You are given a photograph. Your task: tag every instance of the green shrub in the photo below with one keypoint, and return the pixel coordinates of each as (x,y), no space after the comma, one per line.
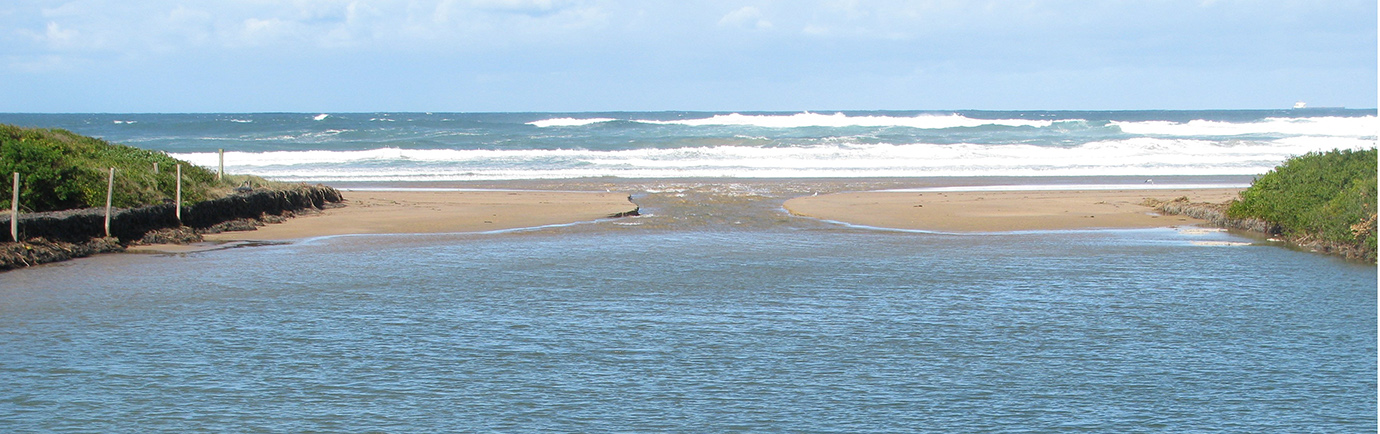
(59,170)
(1329,196)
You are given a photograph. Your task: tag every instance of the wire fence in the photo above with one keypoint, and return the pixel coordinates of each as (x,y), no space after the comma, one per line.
(109,194)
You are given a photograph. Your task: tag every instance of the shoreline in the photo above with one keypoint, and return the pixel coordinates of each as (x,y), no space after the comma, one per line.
(975,204)
(943,205)
(368,212)
(844,183)
(1003,210)
(58,236)
(997,204)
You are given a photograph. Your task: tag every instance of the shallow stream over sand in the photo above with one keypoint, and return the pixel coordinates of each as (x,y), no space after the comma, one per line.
(715,311)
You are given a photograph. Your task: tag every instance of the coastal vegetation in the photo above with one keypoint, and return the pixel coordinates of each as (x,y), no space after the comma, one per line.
(60,170)
(63,182)
(1327,197)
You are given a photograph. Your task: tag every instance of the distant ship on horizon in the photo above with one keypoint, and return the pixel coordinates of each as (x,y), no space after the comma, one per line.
(1300,105)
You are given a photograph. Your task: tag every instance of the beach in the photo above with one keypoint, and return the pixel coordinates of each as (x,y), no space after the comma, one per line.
(879,203)
(1001,211)
(391,212)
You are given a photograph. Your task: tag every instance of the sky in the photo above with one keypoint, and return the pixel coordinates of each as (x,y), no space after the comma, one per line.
(128,56)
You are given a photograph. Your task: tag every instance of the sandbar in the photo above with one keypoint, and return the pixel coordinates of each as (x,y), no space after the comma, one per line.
(1003,211)
(393,212)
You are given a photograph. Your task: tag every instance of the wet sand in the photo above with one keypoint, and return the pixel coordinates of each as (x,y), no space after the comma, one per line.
(533,204)
(383,212)
(1002,211)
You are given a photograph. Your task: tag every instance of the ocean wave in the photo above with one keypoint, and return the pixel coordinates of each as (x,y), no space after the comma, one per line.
(346,175)
(568,122)
(1136,156)
(380,155)
(837,120)
(305,137)
(1364,126)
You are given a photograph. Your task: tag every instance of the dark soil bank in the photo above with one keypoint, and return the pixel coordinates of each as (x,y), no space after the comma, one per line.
(61,235)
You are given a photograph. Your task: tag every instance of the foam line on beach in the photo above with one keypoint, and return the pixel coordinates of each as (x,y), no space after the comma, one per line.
(459,190)
(426,189)
(521,229)
(1182,231)
(990,233)
(1067,187)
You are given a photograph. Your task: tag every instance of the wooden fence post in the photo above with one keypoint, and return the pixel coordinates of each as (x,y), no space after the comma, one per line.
(109,190)
(179,194)
(221,173)
(155,168)
(14,210)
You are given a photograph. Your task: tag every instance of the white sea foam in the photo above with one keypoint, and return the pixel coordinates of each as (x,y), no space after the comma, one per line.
(1066,187)
(1365,126)
(344,175)
(1194,230)
(320,117)
(1220,243)
(808,119)
(1144,156)
(568,122)
(307,137)
(423,189)
(1360,127)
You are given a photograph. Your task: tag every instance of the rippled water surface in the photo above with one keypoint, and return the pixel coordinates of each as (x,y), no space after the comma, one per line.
(632,325)
(449,147)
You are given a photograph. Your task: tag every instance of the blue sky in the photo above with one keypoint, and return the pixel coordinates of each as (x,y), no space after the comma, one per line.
(593,55)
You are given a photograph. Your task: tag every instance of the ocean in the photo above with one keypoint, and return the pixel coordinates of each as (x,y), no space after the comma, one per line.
(394,147)
(715,310)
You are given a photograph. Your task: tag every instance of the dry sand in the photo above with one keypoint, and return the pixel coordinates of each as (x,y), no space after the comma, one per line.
(1001,211)
(381,212)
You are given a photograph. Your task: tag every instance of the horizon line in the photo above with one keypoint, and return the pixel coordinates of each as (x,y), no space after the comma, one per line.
(428,112)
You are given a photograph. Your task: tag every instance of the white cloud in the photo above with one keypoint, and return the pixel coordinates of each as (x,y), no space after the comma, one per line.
(137,27)
(746,16)
(258,31)
(677,41)
(58,36)
(54,36)
(514,5)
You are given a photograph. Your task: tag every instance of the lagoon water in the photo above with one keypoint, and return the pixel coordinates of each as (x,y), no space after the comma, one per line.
(663,323)
(714,311)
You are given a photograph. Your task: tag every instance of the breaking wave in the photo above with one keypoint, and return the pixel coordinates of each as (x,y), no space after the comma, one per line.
(1364,126)
(808,119)
(1136,156)
(568,122)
